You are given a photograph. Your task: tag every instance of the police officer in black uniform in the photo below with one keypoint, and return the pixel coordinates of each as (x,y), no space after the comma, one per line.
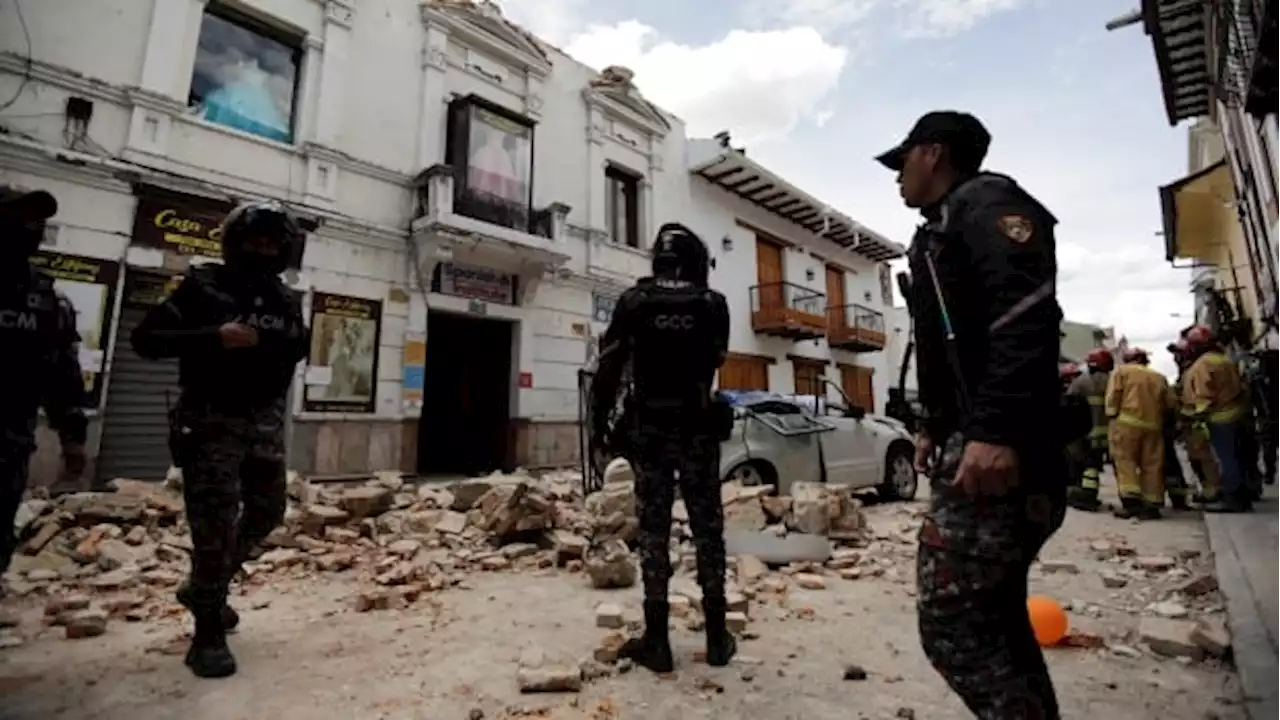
(238,333)
(674,332)
(987,346)
(39,358)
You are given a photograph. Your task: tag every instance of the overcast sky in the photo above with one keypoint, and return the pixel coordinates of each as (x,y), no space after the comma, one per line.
(815,88)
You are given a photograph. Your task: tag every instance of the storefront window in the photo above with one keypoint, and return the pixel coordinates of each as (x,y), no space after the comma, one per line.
(245,76)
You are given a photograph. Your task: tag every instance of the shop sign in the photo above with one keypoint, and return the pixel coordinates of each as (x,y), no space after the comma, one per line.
(476,283)
(342,369)
(90,285)
(187,225)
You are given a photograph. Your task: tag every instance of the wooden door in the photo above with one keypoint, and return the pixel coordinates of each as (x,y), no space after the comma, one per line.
(855,380)
(743,373)
(808,377)
(769,274)
(835,297)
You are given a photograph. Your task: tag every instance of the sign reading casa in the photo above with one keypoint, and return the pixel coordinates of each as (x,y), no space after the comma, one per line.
(187,224)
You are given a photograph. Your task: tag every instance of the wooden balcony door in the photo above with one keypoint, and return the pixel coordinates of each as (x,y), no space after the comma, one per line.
(835,297)
(743,372)
(769,274)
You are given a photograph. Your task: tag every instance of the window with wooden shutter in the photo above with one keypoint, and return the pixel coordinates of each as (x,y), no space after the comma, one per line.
(744,372)
(809,375)
(855,380)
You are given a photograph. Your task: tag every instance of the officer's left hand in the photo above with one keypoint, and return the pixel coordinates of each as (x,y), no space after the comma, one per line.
(987,469)
(73,462)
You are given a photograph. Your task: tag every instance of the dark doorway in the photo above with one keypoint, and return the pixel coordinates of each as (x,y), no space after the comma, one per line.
(466,405)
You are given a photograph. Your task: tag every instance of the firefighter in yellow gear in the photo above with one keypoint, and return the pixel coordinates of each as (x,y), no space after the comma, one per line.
(1195,437)
(1082,494)
(1215,401)
(1136,400)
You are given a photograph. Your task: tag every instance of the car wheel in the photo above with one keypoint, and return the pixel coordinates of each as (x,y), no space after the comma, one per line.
(747,474)
(900,481)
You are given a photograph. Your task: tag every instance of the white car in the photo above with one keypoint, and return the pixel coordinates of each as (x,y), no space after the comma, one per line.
(780,440)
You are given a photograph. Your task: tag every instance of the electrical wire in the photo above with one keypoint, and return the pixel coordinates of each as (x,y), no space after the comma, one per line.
(26,75)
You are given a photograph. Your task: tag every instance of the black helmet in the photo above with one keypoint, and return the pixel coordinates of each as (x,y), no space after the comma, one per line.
(679,254)
(22,221)
(267,219)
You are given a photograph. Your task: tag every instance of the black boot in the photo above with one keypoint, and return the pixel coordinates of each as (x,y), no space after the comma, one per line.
(1082,499)
(1149,511)
(1229,505)
(721,646)
(652,650)
(209,656)
(230,618)
(1129,508)
(1179,502)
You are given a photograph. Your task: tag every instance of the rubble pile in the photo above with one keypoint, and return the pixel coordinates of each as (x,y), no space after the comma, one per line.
(1173,599)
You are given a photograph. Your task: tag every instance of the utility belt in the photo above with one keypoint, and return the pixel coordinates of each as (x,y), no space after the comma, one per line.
(715,418)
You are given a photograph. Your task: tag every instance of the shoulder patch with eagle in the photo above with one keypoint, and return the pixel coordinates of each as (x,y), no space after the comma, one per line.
(1017,228)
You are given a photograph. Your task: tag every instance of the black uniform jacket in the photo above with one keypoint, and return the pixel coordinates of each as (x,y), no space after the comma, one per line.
(987,321)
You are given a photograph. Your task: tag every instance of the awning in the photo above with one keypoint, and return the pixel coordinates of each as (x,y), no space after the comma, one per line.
(1179,37)
(734,172)
(1197,211)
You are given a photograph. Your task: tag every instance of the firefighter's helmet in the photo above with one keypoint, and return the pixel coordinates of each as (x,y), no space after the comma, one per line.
(1100,360)
(1136,355)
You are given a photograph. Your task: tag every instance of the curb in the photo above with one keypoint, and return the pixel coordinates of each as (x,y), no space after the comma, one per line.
(1244,553)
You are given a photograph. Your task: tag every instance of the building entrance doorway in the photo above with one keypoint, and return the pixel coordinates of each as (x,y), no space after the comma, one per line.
(466,402)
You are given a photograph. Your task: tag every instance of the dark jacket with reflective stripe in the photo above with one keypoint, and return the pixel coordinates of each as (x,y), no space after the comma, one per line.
(993,248)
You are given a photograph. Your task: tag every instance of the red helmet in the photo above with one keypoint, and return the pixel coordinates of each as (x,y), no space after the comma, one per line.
(1135,355)
(1199,336)
(1069,371)
(1100,359)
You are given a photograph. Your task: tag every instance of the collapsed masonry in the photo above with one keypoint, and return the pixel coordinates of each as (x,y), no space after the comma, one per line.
(119,555)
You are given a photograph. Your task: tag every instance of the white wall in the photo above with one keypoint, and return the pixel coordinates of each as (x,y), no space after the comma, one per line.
(715,215)
(370,115)
(1250,146)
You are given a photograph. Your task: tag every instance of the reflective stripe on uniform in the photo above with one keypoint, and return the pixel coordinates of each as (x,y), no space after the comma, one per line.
(1131,421)
(1228,414)
(1090,479)
(1097,400)
(1098,431)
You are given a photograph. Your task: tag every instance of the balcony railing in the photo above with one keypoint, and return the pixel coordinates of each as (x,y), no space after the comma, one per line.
(442,193)
(854,327)
(788,310)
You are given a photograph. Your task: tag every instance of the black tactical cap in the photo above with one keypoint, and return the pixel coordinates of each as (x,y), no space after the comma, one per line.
(961,133)
(27,205)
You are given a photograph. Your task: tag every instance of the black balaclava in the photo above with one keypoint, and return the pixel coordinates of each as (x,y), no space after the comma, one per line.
(269,219)
(22,225)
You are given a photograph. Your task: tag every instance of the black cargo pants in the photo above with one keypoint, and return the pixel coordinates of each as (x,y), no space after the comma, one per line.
(228,462)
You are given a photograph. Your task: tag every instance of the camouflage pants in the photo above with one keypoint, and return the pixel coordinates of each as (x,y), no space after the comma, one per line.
(226,462)
(13,483)
(661,463)
(974,555)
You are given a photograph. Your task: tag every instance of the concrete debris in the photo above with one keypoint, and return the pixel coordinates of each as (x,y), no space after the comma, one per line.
(611,565)
(1155,563)
(609,616)
(1171,638)
(1213,637)
(85,624)
(1113,580)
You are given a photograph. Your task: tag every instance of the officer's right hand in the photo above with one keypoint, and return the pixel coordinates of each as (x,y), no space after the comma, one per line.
(237,335)
(924,453)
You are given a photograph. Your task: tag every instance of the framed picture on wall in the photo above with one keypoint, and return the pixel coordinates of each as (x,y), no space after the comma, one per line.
(342,368)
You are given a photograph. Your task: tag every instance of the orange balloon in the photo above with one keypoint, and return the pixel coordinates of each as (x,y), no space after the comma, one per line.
(1048,620)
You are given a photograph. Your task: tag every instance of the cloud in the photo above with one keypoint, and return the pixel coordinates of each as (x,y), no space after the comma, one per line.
(736,82)
(554,21)
(910,18)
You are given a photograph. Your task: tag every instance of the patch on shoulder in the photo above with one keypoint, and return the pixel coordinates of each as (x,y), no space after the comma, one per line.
(1017,228)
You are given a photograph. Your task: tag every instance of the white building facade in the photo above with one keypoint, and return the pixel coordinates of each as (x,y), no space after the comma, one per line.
(475,202)
(809,288)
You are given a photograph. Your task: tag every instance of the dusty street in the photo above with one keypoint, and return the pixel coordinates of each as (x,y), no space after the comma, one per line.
(424,623)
